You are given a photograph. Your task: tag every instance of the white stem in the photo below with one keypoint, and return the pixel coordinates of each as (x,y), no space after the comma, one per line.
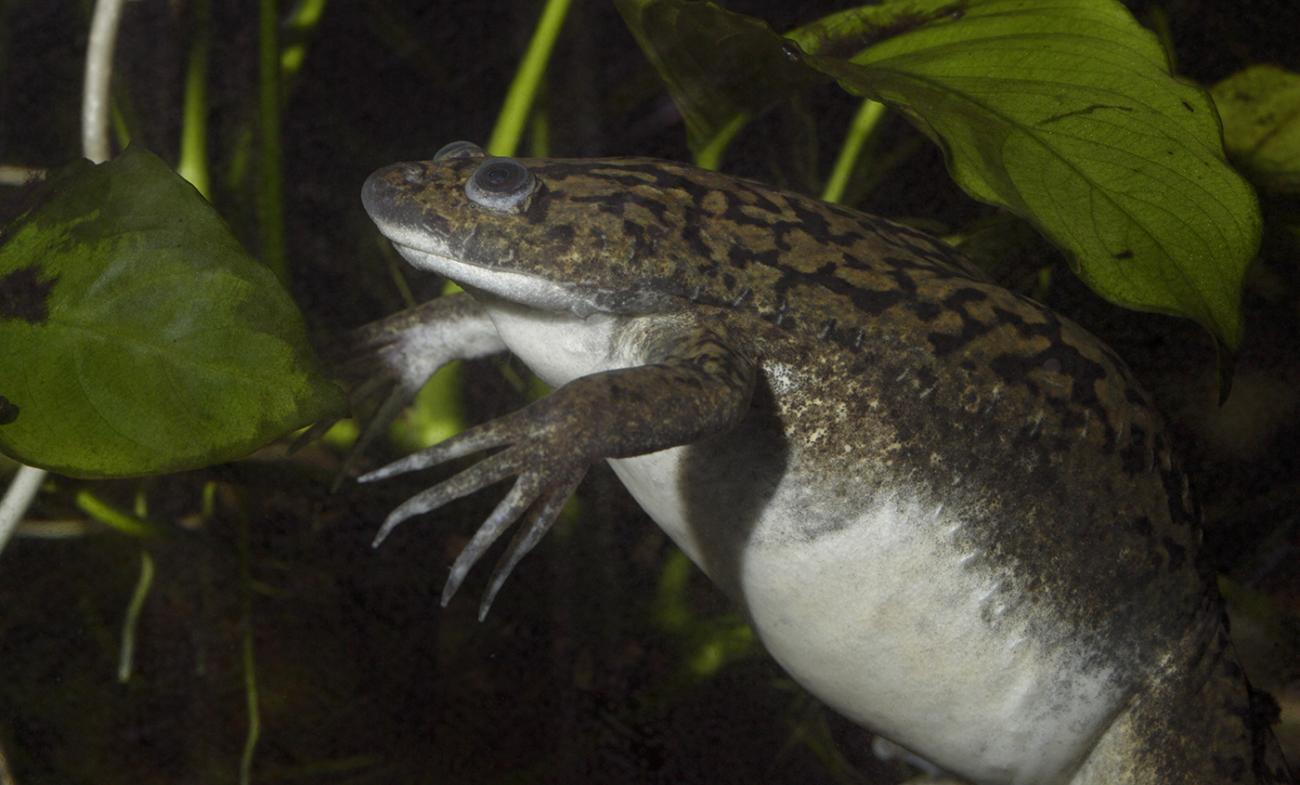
(19,175)
(17,499)
(95,100)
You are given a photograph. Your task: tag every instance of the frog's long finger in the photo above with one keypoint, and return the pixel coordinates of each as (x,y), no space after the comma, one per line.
(373,384)
(483,437)
(480,475)
(519,499)
(541,516)
(379,422)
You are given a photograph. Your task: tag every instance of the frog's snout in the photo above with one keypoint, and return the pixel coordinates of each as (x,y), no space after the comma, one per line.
(378,192)
(388,194)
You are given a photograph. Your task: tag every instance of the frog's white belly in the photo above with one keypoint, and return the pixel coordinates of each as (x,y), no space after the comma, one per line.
(883,620)
(867,602)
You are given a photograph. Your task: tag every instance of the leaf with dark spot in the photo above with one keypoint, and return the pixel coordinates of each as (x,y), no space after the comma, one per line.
(1089,109)
(138,335)
(8,411)
(25,296)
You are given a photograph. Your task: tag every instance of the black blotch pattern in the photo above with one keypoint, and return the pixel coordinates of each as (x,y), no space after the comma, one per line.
(636,231)
(8,411)
(1133,455)
(871,302)
(695,241)
(927,311)
(902,276)
(960,298)
(561,234)
(1177,553)
(25,296)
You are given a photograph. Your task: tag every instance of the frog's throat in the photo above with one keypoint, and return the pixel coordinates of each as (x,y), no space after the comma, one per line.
(516,287)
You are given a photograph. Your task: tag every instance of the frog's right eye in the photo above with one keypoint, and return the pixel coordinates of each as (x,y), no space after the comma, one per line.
(461,149)
(501,184)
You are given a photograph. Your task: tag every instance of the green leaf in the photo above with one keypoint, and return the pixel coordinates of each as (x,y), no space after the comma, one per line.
(1065,113)
(1260,107)
(136,336)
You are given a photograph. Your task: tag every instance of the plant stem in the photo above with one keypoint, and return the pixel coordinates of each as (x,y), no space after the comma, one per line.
(304,19)
(523,90)
(95,98)
(114,518)
(132,620)
(710,155)
(17,499)
(271,181)
(864,123)
(193,163)
(249,658)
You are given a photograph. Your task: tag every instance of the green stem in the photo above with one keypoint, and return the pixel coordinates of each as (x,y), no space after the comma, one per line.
(249,660)
(114,518)
(710,156)
(193,163)
(132,620)
(306,17)
(539,136)
(271,191)
(864,124)
(523,90)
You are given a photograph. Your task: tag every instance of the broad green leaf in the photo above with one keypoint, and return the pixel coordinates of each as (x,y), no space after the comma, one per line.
(136,336)
(1065,113)
(1260,107)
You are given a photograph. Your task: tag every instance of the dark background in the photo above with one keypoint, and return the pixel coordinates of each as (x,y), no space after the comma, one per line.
(578,675)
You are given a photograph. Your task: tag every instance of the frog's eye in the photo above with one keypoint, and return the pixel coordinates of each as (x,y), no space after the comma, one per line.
(501,184)
(461,149)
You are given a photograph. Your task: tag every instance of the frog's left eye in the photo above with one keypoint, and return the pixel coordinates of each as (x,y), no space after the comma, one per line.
(501,184)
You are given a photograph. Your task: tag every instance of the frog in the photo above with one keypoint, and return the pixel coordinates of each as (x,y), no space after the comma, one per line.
(949,513)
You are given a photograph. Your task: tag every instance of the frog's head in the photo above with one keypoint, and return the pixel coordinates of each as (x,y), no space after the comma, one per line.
(583,236)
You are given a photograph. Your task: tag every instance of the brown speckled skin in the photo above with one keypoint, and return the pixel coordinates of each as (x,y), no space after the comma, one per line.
(956,383)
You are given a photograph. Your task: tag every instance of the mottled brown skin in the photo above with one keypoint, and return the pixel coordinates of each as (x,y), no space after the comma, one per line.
(949,375)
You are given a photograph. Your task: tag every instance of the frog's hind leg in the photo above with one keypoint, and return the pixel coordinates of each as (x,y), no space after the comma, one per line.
(1196,723)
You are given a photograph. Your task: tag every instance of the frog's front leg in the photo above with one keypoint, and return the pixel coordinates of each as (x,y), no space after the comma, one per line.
(694,382)
(386,362)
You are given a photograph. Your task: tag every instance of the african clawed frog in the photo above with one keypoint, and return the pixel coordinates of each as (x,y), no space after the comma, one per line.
(948,512)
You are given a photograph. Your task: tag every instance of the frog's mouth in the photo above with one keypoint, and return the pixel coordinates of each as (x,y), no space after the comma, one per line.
(427,252)
(517,287)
